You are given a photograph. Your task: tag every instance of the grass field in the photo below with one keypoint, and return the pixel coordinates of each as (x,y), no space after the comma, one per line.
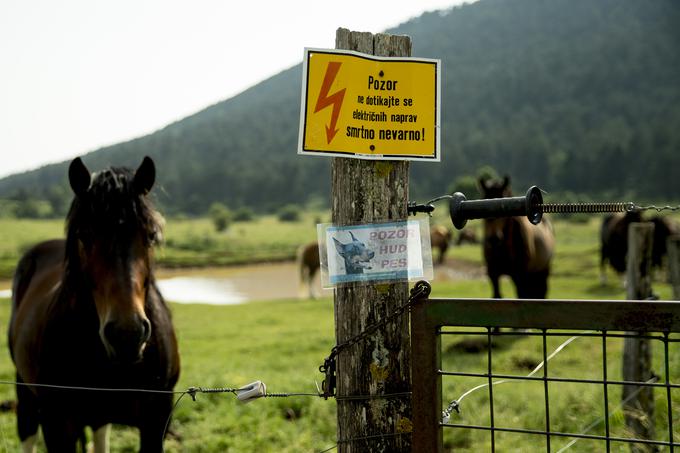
(283,343)
(188,242)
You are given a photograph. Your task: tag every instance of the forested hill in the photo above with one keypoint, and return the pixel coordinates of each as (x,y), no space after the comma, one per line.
(571,95)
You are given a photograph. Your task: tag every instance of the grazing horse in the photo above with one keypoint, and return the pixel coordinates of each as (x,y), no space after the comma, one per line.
(440,237)
(514,247)
(87,315)
(308,264)
(614,240)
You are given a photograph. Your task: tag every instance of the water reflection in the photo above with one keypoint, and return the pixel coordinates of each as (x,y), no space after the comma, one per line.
(191,290)
(203,290)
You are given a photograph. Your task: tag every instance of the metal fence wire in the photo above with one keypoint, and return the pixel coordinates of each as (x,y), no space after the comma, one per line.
(532,399)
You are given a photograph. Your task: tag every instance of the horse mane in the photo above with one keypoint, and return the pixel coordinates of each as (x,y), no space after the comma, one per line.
(111,210)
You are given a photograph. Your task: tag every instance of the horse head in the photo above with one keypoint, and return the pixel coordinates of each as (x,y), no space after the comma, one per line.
(111,231)
(494,229)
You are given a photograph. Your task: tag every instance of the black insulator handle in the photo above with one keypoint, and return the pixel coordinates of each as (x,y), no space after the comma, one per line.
(414,208)
(462,209)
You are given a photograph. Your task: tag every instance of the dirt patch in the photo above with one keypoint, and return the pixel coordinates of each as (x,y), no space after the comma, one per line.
(455,270)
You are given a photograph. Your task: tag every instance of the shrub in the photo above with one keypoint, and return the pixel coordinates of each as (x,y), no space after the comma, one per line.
(220,215)
(244,214)
(289,213)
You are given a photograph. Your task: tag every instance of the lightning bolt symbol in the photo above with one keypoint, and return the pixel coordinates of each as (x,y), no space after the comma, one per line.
(334,99)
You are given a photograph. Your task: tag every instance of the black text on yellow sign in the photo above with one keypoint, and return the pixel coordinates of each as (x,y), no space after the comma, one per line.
(363,106)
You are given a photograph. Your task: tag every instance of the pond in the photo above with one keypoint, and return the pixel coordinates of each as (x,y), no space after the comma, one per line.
(242,284)
(232,285)
(224,286)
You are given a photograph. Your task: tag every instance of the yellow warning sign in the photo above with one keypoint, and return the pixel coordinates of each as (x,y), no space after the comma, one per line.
(363,106)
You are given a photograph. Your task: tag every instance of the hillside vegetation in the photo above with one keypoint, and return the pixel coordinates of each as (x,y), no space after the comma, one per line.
(575,96)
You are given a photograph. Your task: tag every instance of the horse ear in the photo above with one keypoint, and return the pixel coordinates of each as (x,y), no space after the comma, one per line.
(78,176)
(506,182)
(145,176)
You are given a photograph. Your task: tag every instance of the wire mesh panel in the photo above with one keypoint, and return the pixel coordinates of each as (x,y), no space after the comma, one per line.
(513,375)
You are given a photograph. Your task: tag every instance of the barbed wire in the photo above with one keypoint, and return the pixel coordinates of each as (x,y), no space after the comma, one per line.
(244,394)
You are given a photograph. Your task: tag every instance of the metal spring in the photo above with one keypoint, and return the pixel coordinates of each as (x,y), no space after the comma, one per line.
(570,208)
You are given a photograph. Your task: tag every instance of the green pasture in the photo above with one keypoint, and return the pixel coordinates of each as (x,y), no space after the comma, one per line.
(187,242)
(283,342)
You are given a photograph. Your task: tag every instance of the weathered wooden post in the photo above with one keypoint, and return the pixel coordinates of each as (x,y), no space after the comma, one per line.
(638,401)
(673,247)
(365,191)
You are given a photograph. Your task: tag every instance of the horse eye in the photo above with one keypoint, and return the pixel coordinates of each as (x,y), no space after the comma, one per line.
(153,237)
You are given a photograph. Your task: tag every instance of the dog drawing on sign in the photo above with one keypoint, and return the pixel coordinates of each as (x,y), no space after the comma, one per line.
(355,254)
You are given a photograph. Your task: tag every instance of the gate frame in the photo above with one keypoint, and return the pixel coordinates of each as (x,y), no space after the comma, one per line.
(428,316)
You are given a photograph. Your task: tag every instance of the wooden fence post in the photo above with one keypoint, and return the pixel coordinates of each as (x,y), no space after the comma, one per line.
(365,191)
(673,247)
(638,402)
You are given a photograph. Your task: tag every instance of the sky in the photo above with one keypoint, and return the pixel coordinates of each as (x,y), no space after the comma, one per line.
(76,75)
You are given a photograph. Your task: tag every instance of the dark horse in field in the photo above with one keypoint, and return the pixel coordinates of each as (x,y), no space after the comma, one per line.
(86,312)
(614,240)
(514,247)
(440,238)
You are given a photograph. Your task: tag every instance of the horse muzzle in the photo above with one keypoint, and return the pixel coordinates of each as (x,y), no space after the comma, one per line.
(125,340)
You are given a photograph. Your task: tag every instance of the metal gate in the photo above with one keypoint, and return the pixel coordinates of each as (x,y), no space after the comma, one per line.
(488,320)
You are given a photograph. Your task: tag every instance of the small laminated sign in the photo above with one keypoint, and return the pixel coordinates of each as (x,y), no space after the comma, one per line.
(394,251)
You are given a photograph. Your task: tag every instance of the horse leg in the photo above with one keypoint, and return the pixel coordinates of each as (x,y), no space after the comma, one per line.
(495,284)
(156,417)
(442,252)
(532,286)
(603,266)
(542,284)
(302,280)
(312,289)
(60,432)
(151,437)
(27,417)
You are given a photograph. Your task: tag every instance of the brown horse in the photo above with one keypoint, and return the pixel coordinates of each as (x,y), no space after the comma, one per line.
(440,238)
(514,247)
(87,315)
(308,265)
(614,240)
